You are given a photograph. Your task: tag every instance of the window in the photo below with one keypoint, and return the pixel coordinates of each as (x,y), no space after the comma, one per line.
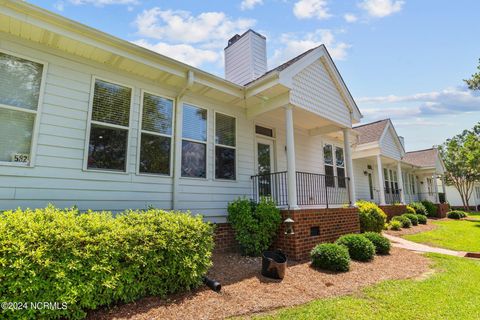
(387,180)
(395,182)
(328,160)
(225,152)
(108,141)
(340,164)
(264,131)
(412,183)
(370,185)
(156,135)
(194,142)
(20,87)
(392,182)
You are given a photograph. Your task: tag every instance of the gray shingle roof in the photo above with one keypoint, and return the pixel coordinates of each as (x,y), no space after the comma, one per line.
(422,158)
(371,132)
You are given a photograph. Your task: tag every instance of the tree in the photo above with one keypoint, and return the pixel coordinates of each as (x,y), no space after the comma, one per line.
(474,82)
(461,155)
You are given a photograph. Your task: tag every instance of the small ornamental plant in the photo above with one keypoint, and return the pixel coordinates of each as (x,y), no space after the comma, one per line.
(456,214)
(330,256)
(372,218)
(421,219)
(430,207)
(413,218)
(410,210)
(406,223)
(382,244)
(359,247)
(419,208)
(395,225)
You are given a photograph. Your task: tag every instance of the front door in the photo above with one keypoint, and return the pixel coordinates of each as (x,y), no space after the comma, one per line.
(265,166)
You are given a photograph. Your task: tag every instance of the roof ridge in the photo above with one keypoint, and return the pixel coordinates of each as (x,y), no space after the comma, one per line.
(367,124)
(432,148)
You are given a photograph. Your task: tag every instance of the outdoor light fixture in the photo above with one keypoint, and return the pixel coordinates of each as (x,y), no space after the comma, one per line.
(365,172)
(289,225)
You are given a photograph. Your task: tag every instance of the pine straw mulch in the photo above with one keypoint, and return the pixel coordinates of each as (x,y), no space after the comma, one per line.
(415,229)
(245,292)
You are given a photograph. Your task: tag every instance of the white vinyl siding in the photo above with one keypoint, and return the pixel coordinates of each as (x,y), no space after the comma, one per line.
(389,147)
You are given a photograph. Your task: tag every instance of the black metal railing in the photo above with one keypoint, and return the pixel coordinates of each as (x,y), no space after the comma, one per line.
(392,196)
(430,196)
(312,189)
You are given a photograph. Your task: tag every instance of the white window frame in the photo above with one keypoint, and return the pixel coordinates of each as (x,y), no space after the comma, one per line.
(335,169)
(38,112)
(108,125)
(140,131)
(207,142)
(333,165)
(215,144)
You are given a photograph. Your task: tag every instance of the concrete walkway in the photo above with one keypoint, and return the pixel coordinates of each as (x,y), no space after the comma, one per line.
(413,246)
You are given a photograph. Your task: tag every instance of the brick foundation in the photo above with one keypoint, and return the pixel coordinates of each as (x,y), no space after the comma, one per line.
(331,224)
(442,209)
(394,210)
(225,238)
(462,208)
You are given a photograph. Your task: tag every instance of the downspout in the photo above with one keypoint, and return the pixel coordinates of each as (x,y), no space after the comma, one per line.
(177,149)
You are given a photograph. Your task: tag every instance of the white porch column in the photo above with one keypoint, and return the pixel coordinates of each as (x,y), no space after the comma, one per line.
(435,188)
(400,182)
(444,188)
(291,168)
(380,179)
(349,163)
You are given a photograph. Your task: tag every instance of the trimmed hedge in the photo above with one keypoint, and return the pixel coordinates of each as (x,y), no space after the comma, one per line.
(406,223)
(395,225)
(430,207)
(456,214)
(413,218)
(419,208)
(330,256)
(372,218)
(421,219)
(255,225)
(359,247)
(382,244)
(95,259)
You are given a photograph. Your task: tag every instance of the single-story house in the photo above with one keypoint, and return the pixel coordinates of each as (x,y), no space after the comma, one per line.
(90,120)
(386,174)
(455,200)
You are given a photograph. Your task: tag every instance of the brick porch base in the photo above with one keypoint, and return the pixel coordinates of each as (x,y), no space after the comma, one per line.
(442,209)
(393,210)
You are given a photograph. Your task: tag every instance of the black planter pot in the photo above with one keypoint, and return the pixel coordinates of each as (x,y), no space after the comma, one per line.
(274,264)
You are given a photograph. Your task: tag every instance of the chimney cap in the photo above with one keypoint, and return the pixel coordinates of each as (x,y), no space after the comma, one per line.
(237,37)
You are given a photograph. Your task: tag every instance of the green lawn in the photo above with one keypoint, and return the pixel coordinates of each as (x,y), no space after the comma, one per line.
(460,235)
(450,293)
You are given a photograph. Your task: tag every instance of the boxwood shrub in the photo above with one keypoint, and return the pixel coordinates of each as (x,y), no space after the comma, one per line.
(413,218)
(419,208)
(395,225)
(430,207)
(95,259)
(359,247)
(456,214)
(421,219)
(255,225)
(406,223)
(410,210)
(382,244)
(330,256)
(372,218)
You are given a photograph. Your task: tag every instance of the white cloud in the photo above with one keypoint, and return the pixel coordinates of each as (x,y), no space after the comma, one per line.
(182,52)
(350,17)
(305,9)
(250,4)
(59,5)
(381,8)
(293,46)
(101,3)
(183,27)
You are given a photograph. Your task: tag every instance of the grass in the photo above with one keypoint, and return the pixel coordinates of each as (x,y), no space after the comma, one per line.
(462,235)
(450,293)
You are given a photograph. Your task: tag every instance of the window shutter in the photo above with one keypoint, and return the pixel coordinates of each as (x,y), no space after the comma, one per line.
(224,130)
(111,103)
(20,82)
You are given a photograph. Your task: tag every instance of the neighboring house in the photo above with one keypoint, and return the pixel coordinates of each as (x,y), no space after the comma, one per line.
(90,120)
(386,174)
(455,200)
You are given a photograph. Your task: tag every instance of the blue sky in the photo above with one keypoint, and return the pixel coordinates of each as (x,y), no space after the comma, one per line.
(403,59)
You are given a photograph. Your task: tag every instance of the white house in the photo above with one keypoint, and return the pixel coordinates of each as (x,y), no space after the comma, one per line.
(386,174)
(91,120)
(455,200)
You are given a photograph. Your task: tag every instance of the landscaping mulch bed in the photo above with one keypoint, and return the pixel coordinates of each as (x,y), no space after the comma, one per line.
(246,292)
(415,229)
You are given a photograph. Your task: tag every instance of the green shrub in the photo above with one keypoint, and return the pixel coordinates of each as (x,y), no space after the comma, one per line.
(359,247)
(419,208)
(372,218)
(330,256)
(456,214)
(382,244)
(421,219)
(430,207)
(406,223)
(410,210)
(395,225)
(95,259)
(255,225)
(413,218)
